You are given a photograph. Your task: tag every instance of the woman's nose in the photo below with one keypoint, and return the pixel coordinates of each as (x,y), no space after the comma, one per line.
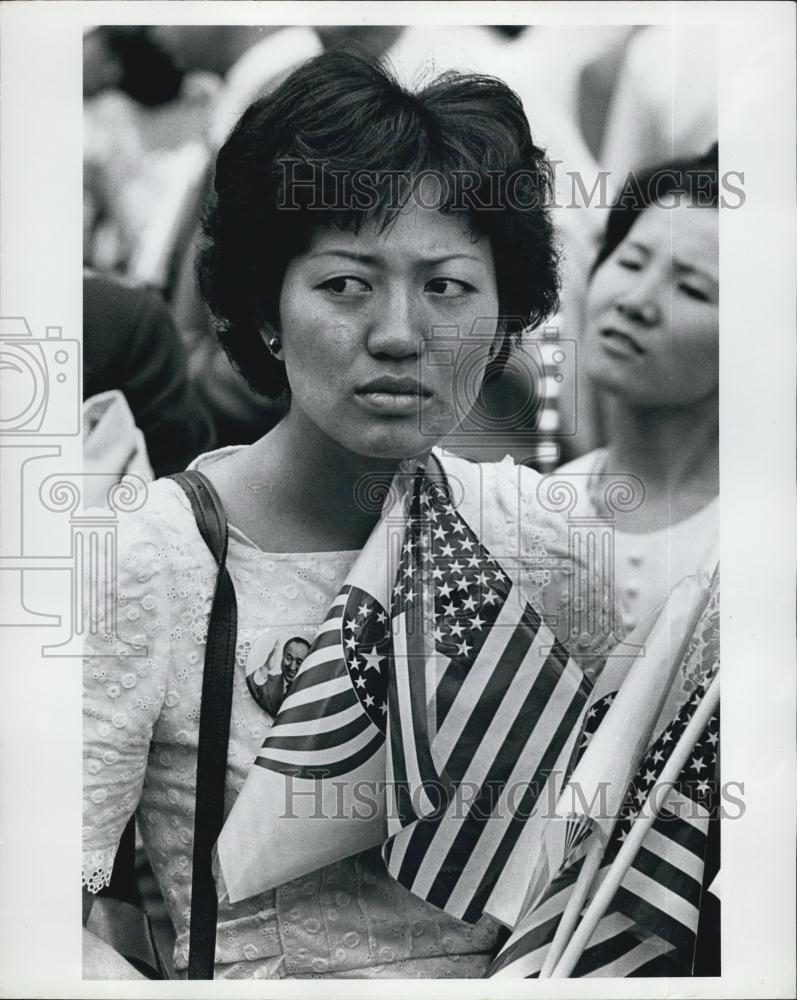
(398,329)
(641,303)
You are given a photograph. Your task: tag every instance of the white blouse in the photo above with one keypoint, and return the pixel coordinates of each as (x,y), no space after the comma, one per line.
(648,565)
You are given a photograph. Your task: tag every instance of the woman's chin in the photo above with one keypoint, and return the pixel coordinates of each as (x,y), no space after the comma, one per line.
(394,443)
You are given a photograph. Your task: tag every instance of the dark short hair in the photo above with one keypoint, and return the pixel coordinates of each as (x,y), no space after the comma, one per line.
(296,638)
(349,114)
(696,180)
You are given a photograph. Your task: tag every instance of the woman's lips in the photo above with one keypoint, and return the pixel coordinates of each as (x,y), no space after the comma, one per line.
(398,403)
(392,395)
(619,342)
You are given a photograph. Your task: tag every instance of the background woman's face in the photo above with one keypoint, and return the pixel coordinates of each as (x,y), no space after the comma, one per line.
(357,315)
(653,311)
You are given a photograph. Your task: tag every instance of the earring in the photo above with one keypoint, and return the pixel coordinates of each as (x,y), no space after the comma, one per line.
(274,345)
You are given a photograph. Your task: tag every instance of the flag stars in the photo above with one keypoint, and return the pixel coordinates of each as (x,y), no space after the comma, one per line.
(490,597)
(698,764)
(372,659)
(463,648)
(352,625)
(477,623)
(360,682)
(447,552)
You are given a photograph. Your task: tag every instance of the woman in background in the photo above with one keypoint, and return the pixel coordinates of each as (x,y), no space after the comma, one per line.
(652,347)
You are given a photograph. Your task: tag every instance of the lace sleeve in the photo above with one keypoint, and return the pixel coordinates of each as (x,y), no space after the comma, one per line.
(124,670)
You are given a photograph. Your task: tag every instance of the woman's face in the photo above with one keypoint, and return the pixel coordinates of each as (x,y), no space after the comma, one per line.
(358,314)
(653,311)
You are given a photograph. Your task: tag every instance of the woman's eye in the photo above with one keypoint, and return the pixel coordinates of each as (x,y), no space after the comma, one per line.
(694,293)
(629,264)
(346,284)
(448,287)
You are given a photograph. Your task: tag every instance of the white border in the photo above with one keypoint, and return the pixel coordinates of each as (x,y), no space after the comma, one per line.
(40,241)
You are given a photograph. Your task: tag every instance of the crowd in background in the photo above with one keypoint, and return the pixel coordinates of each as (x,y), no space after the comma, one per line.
(159,102)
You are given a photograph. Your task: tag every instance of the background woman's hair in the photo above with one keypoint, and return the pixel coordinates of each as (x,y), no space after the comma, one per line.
(695,181)
(350,115)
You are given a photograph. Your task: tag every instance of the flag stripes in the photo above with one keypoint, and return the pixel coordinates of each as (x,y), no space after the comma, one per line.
(519,727)
(322,730)
(659,896)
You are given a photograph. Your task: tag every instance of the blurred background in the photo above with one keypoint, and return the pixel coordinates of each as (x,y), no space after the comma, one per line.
(159,101)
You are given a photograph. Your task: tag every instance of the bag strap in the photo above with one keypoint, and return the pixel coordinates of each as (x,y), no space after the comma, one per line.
(214,724)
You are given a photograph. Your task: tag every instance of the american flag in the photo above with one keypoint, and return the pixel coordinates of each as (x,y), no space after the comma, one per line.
(460,687)
(335,716)
(296,810)
(650,928)
(484,705)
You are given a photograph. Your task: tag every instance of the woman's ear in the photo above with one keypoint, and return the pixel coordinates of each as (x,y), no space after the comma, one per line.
(271,339)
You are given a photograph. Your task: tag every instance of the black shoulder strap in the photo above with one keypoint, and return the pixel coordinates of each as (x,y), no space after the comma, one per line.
(214,724)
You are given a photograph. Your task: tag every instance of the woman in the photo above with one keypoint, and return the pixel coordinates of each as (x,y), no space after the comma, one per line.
(652,347)
(330,290)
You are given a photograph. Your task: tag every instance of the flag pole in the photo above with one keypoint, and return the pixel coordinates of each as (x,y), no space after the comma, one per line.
(575,904)
(647,816)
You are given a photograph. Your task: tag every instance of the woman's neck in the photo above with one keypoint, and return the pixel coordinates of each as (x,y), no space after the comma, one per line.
(319,493)
(674,452)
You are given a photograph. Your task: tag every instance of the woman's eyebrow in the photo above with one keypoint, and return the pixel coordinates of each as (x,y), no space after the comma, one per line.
(361,258)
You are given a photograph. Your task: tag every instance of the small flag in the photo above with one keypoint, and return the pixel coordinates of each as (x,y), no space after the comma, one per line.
(446,695)
(483,712)
(652,921)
